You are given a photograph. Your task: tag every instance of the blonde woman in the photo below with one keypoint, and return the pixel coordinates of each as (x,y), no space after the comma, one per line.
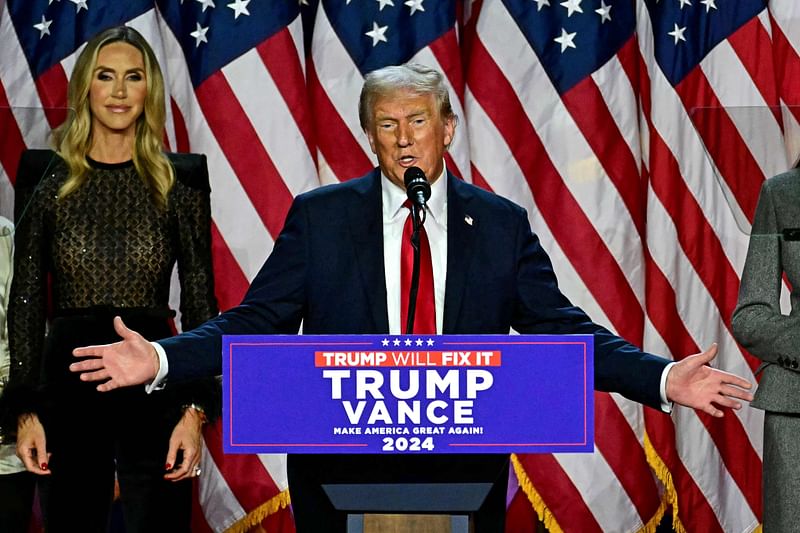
(106,223)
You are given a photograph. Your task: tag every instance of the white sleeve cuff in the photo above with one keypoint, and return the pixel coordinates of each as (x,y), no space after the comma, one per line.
(666,405)
(160,381)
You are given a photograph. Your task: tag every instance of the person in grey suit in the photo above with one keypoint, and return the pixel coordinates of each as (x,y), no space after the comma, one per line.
(761,327)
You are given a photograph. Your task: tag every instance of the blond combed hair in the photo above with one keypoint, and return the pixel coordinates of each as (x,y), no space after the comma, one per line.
(73,138)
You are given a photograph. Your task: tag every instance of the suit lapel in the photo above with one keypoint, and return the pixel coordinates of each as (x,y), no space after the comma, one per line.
(462,227)
(366,230)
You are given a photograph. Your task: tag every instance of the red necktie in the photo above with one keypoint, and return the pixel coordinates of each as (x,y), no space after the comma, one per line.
(425,315)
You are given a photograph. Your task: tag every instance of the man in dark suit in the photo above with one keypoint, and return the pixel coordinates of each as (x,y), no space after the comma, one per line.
(335,269)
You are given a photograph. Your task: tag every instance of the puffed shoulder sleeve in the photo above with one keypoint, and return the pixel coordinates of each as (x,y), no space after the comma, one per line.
(36,189)
(190,206)
(192,211)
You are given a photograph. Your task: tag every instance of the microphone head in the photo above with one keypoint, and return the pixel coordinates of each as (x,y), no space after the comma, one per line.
(417,187)
(413,174)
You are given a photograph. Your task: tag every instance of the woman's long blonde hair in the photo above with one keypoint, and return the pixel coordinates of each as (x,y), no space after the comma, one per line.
(73,138)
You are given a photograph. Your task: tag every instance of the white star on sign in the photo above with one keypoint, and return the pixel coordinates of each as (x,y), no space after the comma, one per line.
(430,342)
(43,27)
(419,342)
(377,33)
(566,40)
(415,5)
(207,4)
(572,6)
(541,3)
(80,4)
(710,4)
(385,342)
(397,342)
(239,8)
(199,35)
(384,3)
(604,12)
(408,342)
(677,33)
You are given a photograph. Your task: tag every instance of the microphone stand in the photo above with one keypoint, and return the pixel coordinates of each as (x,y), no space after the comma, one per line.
(418,219)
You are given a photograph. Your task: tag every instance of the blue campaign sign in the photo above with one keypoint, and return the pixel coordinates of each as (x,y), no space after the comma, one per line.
(408,394)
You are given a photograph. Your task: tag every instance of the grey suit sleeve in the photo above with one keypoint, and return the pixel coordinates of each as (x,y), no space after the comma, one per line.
(757,322)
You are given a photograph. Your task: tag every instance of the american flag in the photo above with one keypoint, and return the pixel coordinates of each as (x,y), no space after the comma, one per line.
(635,132)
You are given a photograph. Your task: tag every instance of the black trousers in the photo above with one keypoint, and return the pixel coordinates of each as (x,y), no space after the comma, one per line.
(16,501)
(314,513)
(92,435)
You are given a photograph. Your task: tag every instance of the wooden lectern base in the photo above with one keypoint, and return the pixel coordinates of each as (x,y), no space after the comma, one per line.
(406,523)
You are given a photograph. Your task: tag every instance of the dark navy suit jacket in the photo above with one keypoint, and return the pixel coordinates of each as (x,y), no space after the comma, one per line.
(326,270)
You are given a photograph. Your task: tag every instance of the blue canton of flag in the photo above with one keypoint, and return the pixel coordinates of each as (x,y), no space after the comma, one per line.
(685,33)
(50,31)
(377,33)
(572,39)
(212,38)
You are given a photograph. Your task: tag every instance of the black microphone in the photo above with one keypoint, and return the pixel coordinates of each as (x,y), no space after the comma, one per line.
(418,189)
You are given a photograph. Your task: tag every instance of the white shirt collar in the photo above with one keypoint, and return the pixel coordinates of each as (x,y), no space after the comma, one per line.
(393,197)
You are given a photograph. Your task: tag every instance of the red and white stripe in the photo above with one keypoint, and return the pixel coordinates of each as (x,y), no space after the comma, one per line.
(573,162)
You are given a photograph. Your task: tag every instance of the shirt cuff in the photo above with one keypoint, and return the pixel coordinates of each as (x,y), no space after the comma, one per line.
(160,381)
(666,404)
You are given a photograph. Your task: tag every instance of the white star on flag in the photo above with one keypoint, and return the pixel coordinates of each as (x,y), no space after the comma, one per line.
(541,3)
(685,3)
(572,6)
(677,33)
(239,8)
(415,5)
(199,35)
(80,4)
(384,3)
(43,27)
(207,4)
(710,4)
(605,12)
(377,33)
(566,40)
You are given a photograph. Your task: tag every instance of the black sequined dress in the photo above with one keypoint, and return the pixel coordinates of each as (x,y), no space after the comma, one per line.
(105,249)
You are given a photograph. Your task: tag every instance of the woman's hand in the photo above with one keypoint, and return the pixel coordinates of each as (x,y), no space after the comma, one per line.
(187,437)
(32,445)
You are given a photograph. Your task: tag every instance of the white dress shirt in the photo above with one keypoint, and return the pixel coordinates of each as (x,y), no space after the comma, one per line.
(394,218)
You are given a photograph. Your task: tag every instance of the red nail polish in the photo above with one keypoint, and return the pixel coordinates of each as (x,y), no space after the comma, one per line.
(44,466)
(167,466)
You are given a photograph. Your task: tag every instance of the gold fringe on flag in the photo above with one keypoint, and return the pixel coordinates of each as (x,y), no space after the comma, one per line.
(257,515)
(652,524)
(663,473)
(549,520)
(536,500)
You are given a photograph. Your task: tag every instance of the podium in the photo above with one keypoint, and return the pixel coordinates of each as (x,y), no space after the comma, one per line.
(405,433)
(370,506)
